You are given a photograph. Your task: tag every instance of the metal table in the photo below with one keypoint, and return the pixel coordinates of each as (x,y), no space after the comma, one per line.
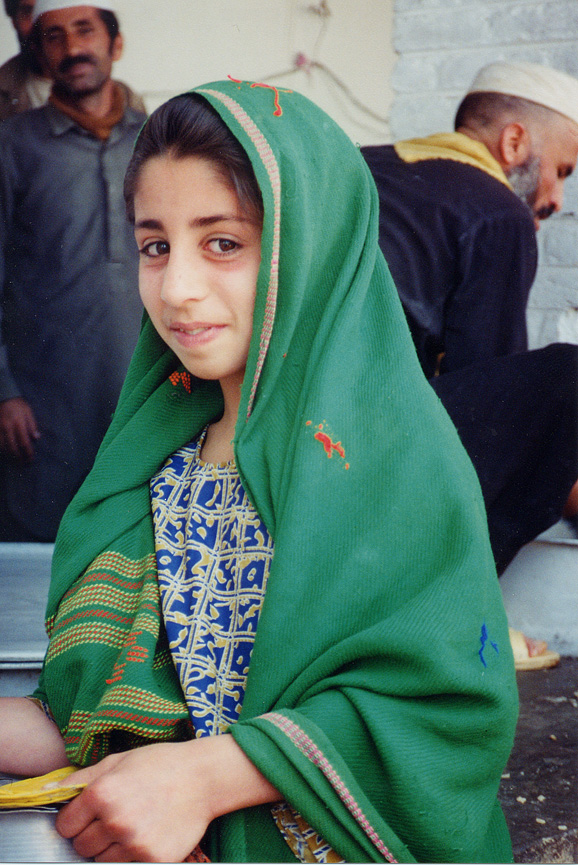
(29,835)
(24,579)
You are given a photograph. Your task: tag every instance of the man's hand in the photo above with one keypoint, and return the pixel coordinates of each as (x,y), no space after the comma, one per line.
(154,804)
(18,429)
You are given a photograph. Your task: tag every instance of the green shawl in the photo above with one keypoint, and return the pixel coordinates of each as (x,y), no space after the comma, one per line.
(381,698)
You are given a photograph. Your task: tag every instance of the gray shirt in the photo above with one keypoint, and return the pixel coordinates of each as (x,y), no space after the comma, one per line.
(69,297)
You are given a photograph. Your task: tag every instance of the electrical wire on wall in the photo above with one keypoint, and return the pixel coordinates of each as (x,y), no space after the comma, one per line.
(304,64)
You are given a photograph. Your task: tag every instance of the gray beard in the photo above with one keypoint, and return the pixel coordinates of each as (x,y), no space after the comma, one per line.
(525,179)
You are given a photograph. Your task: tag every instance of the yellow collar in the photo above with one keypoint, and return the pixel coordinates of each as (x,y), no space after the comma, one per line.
(452,145)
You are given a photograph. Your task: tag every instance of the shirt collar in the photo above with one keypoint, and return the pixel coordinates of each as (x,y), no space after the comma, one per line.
(61,123)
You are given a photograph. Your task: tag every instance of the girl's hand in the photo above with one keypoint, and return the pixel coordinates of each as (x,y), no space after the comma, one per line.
(146,805)
(154,804)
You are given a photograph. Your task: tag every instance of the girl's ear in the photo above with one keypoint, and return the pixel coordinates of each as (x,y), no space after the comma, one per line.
(514,145)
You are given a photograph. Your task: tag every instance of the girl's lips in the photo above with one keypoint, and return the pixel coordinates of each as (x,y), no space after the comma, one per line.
(196,333)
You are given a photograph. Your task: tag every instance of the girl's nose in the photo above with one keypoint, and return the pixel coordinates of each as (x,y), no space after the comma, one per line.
(182,281)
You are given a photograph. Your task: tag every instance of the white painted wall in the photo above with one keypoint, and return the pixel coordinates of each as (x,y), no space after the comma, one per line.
(177,44)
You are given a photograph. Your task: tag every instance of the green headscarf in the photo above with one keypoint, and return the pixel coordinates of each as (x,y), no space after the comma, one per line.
(381,698)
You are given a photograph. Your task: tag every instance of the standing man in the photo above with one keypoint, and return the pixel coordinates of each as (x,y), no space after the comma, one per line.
(458,218)
(68,268)
(24,84)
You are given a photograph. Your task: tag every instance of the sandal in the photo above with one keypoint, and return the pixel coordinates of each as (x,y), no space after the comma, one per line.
(531,654)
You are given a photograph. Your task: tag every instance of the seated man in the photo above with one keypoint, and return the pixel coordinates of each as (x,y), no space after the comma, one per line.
(459,214)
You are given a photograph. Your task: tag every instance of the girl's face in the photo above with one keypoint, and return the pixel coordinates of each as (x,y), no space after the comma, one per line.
(199,261)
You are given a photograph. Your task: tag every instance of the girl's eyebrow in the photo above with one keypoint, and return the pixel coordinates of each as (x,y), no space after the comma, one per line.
(152,224)
(203,221)
(199,222)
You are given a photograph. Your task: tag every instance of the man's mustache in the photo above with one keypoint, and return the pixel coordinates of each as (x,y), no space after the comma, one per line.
(69,62)
(545,212)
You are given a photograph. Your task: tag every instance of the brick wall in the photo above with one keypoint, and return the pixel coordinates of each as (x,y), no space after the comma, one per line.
(440,45)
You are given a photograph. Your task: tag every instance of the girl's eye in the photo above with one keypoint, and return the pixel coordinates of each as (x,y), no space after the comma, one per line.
(155,249)
(222,245)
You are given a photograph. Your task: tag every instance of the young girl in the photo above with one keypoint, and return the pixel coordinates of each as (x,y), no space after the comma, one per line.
(325,674)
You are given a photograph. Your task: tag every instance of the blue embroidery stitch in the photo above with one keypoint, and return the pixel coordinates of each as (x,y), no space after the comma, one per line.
(483,641)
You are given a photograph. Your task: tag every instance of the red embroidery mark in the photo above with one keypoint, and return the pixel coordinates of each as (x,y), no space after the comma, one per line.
(278,110)
(117,672)
(176,376)
(329,446)
(134,653)
(138,655)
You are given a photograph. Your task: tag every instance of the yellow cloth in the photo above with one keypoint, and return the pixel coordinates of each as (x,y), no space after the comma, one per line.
(39,791)
(452,145)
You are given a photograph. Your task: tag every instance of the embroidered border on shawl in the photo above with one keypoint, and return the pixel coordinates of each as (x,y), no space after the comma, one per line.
(267,157)
(132,710)
(310,750)
(114,588)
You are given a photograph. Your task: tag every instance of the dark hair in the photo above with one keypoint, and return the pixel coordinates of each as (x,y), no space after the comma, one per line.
(110,21)
(484,108)
(107,17)
(188,126)
(11,7)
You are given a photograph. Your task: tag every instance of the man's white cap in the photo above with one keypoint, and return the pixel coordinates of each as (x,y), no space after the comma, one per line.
(540,84)
(42,6)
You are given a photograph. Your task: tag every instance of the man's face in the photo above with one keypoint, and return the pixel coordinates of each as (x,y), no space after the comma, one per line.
(539,181)
(22,20)
(77,49)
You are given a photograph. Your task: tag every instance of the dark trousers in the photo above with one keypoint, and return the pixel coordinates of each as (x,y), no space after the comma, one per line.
(517,417)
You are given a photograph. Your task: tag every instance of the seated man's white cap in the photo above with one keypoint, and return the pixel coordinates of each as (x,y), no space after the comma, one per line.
(541,84)
(42,6)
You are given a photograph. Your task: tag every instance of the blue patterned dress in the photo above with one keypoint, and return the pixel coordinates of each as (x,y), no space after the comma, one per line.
(213,556)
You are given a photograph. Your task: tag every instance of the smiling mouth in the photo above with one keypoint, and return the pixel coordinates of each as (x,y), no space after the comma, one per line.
(196,334)
(194,331)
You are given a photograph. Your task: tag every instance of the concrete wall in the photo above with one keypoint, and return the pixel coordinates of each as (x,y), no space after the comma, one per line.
(441,44)
(177,44)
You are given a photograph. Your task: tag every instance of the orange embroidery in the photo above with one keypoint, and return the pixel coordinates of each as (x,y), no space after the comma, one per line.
(278,110)
(176,376)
